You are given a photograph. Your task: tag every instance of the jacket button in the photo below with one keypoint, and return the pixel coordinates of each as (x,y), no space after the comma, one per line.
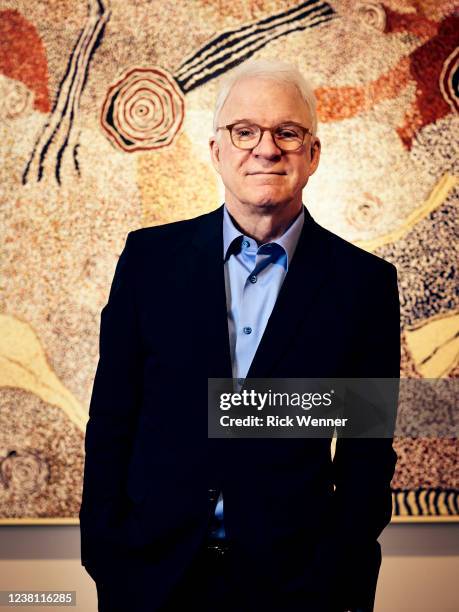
(213,495)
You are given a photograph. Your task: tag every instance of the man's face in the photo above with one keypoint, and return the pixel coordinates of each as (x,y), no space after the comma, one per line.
(264,177)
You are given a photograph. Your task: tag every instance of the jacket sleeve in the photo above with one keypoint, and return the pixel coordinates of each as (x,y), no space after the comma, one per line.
(363,467)
(113,412)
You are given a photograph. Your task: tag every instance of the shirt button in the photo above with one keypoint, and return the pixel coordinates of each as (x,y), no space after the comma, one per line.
(253,278)
(245,243)
(247,330)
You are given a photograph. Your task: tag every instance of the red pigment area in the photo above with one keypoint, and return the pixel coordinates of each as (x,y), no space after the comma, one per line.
(338,103)
(423,66)
(426,64)
(23,56)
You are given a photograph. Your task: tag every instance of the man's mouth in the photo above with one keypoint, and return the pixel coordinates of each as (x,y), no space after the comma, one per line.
(267,173)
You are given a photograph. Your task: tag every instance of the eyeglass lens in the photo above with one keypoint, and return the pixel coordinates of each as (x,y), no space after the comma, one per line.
(247,136)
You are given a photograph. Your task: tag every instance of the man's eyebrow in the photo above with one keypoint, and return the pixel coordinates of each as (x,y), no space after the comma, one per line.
(283,122)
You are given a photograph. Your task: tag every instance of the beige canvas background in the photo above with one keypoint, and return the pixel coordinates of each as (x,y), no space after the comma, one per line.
(85,159)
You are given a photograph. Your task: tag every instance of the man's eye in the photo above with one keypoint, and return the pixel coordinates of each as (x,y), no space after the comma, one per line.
(244,132)
(287,133)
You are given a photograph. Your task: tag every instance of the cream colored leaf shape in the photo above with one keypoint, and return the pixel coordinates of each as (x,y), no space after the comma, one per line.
(434,345)
(436,198)
(23,365)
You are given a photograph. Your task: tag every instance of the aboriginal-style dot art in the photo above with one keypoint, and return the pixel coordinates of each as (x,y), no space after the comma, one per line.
(106,108)
(226,50)
(143,110)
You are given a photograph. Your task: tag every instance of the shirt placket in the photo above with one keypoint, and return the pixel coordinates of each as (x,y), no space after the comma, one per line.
(248,334)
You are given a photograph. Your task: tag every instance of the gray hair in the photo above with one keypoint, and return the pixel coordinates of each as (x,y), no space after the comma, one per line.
(276,70)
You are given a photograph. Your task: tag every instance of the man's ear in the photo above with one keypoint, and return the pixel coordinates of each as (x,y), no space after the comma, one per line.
(214,153)
(315,155)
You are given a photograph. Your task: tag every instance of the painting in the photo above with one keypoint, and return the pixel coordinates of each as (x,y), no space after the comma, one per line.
(105,114)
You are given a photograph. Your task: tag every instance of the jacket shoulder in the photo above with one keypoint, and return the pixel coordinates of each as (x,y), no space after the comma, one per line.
(347,254)
(173,234)
(150,234)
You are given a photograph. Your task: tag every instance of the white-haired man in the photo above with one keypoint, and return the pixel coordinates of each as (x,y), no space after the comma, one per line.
(172,519)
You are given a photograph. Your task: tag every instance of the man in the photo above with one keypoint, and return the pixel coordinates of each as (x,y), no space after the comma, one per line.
(253,289)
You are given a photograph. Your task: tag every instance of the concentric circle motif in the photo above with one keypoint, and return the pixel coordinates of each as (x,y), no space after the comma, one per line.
(449,80)
(24,472)
(364,213)
(15,99)
(144,110)
(373,15)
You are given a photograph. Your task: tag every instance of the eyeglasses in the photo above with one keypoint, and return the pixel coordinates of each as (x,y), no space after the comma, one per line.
(287,136)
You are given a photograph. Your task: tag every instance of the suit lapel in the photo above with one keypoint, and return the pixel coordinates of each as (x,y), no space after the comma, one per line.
(209,316)
(308,272)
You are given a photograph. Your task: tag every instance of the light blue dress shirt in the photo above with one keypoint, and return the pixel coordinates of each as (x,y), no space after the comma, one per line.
(253,278)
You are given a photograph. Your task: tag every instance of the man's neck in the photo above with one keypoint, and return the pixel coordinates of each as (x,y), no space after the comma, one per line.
(262,225)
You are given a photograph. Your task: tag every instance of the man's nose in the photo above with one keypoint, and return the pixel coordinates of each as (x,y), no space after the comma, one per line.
(267,147)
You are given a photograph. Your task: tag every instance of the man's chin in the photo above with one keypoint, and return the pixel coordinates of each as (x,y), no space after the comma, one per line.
(264,199)
(269,201)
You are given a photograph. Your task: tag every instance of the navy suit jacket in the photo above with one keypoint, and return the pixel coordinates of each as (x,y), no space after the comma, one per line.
(303,528)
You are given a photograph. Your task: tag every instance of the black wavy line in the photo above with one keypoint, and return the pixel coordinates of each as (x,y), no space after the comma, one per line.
(254,35)
(239,60)
(75,104)
(225,35)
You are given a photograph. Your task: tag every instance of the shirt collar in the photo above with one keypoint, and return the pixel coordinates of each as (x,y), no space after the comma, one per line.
(232,237)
